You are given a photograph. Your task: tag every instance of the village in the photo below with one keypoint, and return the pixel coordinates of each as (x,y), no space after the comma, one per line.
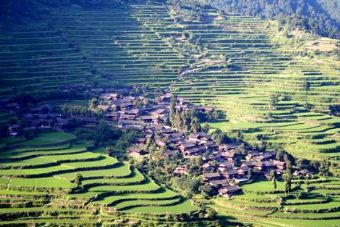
(225,166)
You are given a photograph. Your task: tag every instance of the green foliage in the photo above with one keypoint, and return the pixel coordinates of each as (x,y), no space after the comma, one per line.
(220,137)
(207,190)
(108,135)
(78,180)
(189,186)
(309,15)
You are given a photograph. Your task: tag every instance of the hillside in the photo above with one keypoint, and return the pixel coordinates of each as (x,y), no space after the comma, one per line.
(268,85)
(318,16)
(38,186)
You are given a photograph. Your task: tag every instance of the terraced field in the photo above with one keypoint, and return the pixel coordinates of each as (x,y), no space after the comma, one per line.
(37,185)
(152,43)
(258,67)
(268,207)
(148,42)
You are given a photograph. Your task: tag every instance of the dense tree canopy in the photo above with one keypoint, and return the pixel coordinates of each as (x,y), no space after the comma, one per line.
(319,16)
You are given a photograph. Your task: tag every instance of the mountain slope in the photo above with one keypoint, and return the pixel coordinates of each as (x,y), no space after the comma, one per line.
(319,16)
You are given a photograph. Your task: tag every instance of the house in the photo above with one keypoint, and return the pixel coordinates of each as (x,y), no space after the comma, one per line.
(87,120)
(211,145)
(208,156)
(266,156)
(62,123)
(248,164)
(169,153)
(112,116)
(280,165)
(146,119)
(186,146)
(219,159)
(41,109)
(194,151)
(126,105)
(173,139)
(13,130)
(207,167)
(136,151)
(243,170)
(302,173)
(130,124)
(199,138)
(241,180)
(127,117)
(181,170)
(226,165)
(134,112)
(218,183)
(229,155)
(141,140)
(229,190)
(158,113)
(230,173)
(160,143)
(167,131)
(227,147)
(212,176)
(109,96)
(258,166)
(166,98)
(252,155)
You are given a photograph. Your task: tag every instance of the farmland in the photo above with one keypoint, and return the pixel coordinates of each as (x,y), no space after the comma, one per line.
(137,45)
(272,207)
(37,179)
(277,87)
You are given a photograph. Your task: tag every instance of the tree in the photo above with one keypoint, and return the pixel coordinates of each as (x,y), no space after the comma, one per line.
(28,133)
(274,99)
(250,174)
(239,136)
(273,175)
(184,125)
(288,183)
(288,175)
(177,119)
(93,103)
(108,150)
(195,125)
(172,114)
(207,190)
(242,149)
(78,180)
(306,88)
(324,167)
(206,128)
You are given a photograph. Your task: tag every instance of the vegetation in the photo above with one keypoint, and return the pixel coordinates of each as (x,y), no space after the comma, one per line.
(51,184)
(275,86)
(317,16)
(263,203)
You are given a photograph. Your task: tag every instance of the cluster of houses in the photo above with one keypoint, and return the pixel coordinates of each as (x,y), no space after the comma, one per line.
(224,167)
(139,112)
(36,117)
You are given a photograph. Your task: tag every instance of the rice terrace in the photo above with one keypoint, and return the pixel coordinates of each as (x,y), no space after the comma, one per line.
(186,113)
